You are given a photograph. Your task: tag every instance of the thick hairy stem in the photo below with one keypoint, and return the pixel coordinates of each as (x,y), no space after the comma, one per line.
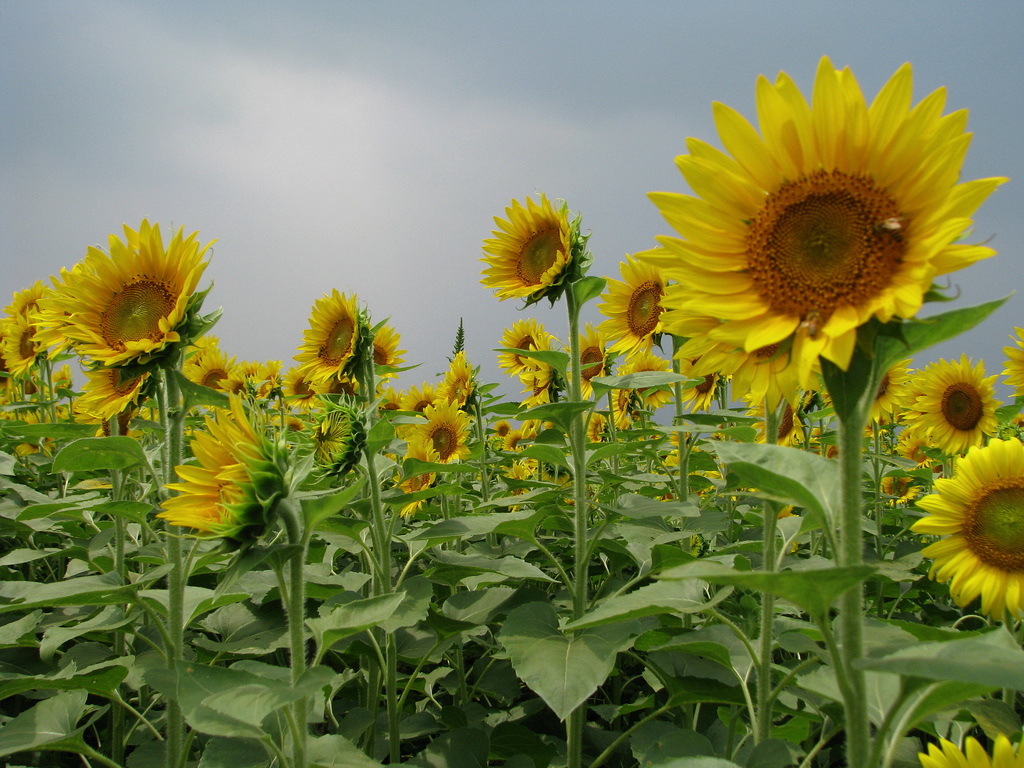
(295,607)
(762,728)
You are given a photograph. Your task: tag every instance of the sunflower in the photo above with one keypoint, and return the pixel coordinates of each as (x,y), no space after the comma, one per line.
(419,398)
(791,431)
(1014,370)
(389,399)
(234,488)
(254,379)
(500,430)
(110,391)
(424,451)
(458,385)
(130,305)
(20,347)
(891,392)
(298,391)
(339,437)
(208,366)
(912,444)
(645,360)
(596,427)
(901,489)
(332,337)
(948,755)
(625,407)
(953,403)
(593,358)
(980,512)
(540,384)
(526,335)
(446,429)
(530,250)
(633,306)
(835,214)
(701,396)
(514,437)
(386,352)
(27,300)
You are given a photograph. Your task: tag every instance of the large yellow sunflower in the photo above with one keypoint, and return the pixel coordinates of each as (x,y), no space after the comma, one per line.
(980,512)
(953,403)
(1014,370)
(130,304)
(446,429)
(529,251)
(330,341)
(948,755)
(526,335)
(633,306)
(232,490)
(834,214)
(458,384)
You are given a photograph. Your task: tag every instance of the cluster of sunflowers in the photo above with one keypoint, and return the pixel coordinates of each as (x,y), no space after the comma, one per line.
(801,245)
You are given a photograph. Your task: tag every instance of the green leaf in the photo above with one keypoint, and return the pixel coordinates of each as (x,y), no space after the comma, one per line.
(132,511)
(416,595)
(992,659)
(814,590)
(64,431)
(82,590)
(315,509)
(459,748)
(479,525)
(234,753)
(658,742)
(588,288)
(198,395)
(995,717)
(563,670)
(352,618)
(548,454)
(640,380)
(12,633)
(334,751)
(105,621)
(788,475)
(100,679)
(380,436)
(7,464)
(557,360)
(561,414)
(661,597)
(99,453)
(49,722)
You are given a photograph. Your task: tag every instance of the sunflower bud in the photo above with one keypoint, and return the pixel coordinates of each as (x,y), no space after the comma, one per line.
(340,439)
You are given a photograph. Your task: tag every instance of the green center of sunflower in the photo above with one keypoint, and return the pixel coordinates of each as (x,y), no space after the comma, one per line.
(445,442)
(822,241)
(591,362)
(644,308)
(537,255)
(338,345)
(994,527)
(135,313)
(961,406)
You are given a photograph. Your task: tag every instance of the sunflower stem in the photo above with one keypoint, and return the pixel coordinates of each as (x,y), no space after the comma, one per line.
(683,478)
(117,713)
(762,728)
(295,609)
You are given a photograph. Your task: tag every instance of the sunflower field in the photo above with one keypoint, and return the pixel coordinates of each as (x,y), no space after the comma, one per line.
(727,527)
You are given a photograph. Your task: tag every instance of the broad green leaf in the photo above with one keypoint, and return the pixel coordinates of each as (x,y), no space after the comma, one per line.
(814,590)
(658,741)
(7,463)
(477,607)
(334,751)
(412,467)
(789,475)
(233,753)
(99,453)
(459,748)
(133,511)
(48,722)
(671,597)
(82,590)
(640,380)
(508,566)
(13,633)
(476,525)
(380,436)
(100,679)
(61,431)
(635,506)
(352,618)
(562,669)
(416,595)
(557,360)
(994,716)
(252,703)
(588,288)
(105,621)
(315,509)
(991,659)
(548,454)
(561,414)
(198,395)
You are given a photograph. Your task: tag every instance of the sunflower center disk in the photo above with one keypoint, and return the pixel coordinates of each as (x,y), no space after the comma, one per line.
(339,342)
(822,241)
(994,529)
(644,308)
(962,406)
(444,441)
(590,362)
(135,313)
(25,346)
(537,256)
(213,378)
(708,384)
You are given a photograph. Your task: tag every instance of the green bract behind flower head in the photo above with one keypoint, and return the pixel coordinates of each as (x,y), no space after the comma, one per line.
(340,438)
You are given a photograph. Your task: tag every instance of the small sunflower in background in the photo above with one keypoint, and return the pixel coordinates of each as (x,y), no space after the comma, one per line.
(424,451)
(892,391)
(532,251)
(330,342)
(27,300)
(953,402)
(633,306)
(1014,370)
(389,399)
(836,213)
(208,365)
(131,305)
(458,385)
(643,360)
(913,444)
(702,395)
(593,358)
(233,489)
(298,391)
(597,427)
(526,335)
(980,514)
(418,399)
(446,430)
(110,391)
(385,350)
(946,754)
(790,432)
(21,347)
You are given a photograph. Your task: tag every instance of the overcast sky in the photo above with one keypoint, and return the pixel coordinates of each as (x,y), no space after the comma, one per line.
(367,147)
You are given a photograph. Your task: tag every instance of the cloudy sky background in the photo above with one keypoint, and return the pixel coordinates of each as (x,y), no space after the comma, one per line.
(367,147)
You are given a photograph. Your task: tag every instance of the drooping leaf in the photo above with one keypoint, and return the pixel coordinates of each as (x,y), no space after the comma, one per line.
(352,618)
(48,723)
(91,454)
(671,597)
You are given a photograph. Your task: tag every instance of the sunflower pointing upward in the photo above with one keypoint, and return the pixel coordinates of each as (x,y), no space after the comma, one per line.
(834,214)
